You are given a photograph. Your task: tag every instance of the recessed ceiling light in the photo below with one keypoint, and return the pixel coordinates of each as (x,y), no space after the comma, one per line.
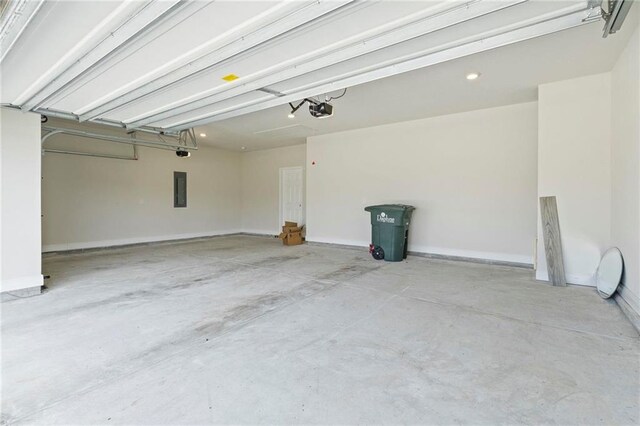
(291,115)
(473,75)
(203,135)
(243,148)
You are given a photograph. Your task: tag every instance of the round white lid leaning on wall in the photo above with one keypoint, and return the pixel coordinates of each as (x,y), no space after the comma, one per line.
(609,272)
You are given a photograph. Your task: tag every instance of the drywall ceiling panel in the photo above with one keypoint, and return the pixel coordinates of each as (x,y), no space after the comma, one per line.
(288,131)
(283,46)
(37,51)
(428,43)
(257,68)
(510,74)
(432,40)
(412,48)
(211,21)
(280,53)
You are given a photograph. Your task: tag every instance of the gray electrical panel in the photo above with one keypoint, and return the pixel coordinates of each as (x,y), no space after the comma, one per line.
(179,189)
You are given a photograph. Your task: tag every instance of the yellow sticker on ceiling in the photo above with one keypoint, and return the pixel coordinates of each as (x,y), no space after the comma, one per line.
(230,77)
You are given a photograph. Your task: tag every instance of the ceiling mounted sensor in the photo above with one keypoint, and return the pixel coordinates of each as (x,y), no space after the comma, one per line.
(614,13)
(317,109)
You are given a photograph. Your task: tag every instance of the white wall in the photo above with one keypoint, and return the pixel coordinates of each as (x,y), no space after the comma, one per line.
(574,126)
(95,202)
(260,186)
(20,200)
(471,177)
(625,166)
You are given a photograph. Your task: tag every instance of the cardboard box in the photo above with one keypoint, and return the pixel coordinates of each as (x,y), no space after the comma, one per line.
(289,227)
(291,234)
(292,239)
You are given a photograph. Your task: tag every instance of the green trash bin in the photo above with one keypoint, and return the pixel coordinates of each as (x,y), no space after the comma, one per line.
(389,231)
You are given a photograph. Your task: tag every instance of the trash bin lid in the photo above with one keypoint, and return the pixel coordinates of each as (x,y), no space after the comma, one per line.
(390,207)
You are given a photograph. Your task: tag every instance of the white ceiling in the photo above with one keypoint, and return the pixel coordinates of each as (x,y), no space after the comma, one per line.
(160,64)
(509,75)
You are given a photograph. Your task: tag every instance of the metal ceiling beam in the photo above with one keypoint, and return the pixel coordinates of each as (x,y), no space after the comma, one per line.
(91,56)
(73,117)
(274,22)
(565,18)
(82,153)
(16,17)
(426,21)
(181,140)
(617,11)
(134,157)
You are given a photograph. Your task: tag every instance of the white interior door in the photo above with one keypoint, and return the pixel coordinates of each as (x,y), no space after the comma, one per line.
(291,195)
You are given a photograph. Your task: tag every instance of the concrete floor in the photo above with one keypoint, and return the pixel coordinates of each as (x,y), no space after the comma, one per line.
(243,330)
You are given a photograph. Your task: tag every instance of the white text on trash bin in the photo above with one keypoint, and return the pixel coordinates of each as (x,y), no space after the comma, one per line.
(382,217)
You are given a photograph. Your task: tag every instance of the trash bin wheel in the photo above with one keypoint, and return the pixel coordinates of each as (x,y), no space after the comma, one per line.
(377,253)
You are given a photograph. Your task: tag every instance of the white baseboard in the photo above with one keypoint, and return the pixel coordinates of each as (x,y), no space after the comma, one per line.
(586,280)
(13,284)
(127,241)
(428,250)
(260,232)
(631,313)
(632,299)
(337,241)
(472,254)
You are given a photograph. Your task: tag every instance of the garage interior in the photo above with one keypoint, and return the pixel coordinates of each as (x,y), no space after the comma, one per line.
(153,154)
